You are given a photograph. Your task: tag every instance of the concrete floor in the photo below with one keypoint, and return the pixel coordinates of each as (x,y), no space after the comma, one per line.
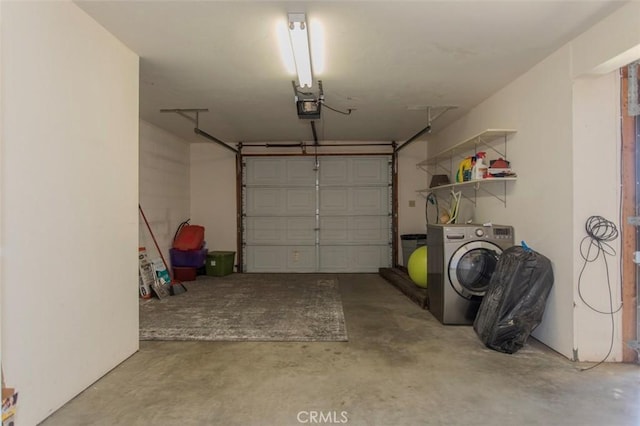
(400,367)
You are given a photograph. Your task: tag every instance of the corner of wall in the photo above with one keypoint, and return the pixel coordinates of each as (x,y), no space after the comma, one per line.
(609,44)
(213,194)
(164,188)
(411,203)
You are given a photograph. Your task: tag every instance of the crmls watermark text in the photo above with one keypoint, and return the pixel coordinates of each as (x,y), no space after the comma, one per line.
(324,417)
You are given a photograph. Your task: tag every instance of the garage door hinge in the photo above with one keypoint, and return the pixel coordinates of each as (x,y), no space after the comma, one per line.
(633,220)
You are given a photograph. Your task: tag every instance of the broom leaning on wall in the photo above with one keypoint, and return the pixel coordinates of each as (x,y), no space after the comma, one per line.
(175,287)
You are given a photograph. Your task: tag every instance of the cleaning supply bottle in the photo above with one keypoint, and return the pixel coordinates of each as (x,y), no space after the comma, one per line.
(465,168)
(474,170)
(480,169)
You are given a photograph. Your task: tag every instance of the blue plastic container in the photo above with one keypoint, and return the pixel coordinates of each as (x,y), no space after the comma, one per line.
(188,258)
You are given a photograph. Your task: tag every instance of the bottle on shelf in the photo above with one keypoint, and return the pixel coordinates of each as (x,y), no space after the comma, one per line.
(480,169)
(465,169)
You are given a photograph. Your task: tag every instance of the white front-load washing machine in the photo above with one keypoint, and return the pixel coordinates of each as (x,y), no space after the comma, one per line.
(460,261)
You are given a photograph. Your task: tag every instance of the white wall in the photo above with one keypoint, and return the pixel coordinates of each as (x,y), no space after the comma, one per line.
(540,202)
(69,190)
(213,195)
(164,189)
(596,191)
(550,115)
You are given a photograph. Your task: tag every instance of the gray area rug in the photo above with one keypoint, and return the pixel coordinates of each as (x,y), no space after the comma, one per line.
(249,307)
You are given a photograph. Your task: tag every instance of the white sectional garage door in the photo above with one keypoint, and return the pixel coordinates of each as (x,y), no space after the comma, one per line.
(335,217)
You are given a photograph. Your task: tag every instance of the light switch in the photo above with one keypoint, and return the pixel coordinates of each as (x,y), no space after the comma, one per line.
(412,203)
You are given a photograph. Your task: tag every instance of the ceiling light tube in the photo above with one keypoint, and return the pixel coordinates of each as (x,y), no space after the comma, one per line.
(300,46)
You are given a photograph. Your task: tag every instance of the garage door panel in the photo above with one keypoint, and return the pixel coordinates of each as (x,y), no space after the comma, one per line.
(264,230)
(300,200)
(369,229)
(281,258)
(334,171)
(369,171)
(300,230)
(334,200)
(350,232)
(370,258)
(280,230)
(354,229)
(334,230)
(369,200)
(352,201)
(300,172)
(266,259)
(280,201)
(334,258)
(354,171)
(280,172)
(264,201)
(353,258)
(301,259)
(265,171)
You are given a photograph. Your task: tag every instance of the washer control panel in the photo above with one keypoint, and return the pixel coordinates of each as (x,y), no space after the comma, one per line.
(479,232)
(502,232)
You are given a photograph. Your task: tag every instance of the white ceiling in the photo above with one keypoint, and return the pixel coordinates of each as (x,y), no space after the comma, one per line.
(381,58)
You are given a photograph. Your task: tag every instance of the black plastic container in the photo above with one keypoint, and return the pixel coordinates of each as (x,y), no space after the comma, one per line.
(410,242)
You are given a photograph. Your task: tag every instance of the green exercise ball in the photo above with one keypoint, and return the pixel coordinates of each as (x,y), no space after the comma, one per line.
(418,266)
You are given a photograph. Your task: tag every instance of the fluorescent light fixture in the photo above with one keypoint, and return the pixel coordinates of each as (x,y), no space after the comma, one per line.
(284,44)
(316,31)
(300,46)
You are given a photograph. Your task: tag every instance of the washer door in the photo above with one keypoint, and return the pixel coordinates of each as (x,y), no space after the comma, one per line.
(471,267)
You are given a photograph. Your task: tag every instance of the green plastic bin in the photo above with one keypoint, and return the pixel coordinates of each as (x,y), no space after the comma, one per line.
(220,263)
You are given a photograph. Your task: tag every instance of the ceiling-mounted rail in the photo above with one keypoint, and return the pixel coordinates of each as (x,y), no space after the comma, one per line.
(214,139)
(331,145)
(313,130)
(414,137)
(184,112)
(284,145)
(428,128)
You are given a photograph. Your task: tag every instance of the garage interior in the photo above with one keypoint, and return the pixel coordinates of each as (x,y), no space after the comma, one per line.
(188,110)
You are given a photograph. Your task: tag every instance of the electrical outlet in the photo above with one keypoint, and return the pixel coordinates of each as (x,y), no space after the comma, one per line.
(296,255)
(412,203)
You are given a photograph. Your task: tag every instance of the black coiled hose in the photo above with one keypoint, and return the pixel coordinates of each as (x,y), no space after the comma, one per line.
(600,232)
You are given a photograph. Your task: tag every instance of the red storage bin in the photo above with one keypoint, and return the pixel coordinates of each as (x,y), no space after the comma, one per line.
(190,237)
(184,274)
